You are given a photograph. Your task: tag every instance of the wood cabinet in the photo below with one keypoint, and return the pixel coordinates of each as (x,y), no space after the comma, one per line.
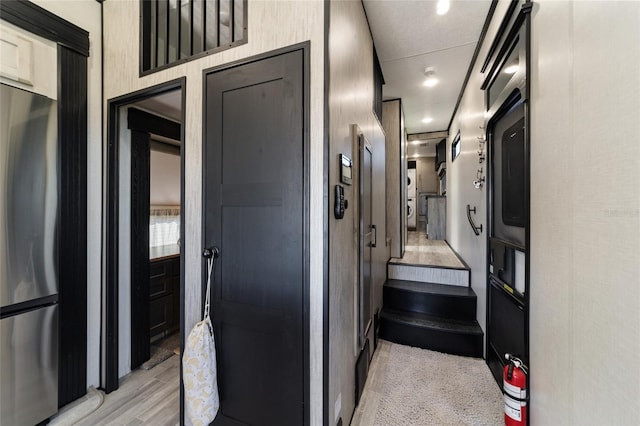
(437,217)
(164,296)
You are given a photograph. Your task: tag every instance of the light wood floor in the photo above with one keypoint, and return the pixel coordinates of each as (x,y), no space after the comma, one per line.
(421,251)
(145,397)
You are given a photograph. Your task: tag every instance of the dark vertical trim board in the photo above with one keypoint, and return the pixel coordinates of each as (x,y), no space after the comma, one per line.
(72,259)
(110,380)
(140,184)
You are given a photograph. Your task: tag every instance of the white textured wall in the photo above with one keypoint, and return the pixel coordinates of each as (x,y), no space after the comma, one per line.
(585,213)
(351,102)
(462,172)
(165,179)
(86,15)
(271,25)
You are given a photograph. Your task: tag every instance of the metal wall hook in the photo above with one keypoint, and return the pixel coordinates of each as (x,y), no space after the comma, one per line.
(479,182)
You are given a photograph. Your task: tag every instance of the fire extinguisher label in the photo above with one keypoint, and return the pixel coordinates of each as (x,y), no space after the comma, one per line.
(512,408)
(514,391)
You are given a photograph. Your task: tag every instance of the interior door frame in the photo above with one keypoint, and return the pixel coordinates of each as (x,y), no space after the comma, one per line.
(142,124)
(306,332)
(109,361)
(362,145)
(516,25)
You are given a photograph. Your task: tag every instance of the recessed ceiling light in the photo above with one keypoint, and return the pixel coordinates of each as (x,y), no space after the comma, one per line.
(427,120)
(442,7)
(430,82)
(416,142)
(431,79)
(511,69)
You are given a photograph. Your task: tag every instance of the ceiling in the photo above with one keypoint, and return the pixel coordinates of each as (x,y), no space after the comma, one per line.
(167,105)
(409,37)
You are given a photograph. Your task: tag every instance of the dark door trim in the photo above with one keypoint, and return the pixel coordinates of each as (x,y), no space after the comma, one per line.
(39,21)
(142,124)
(305,48)
(73,49)
(326,190)
(109,379)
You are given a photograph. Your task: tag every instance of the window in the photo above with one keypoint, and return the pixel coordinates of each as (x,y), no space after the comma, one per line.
(174,31)
(455,147)
(378,82)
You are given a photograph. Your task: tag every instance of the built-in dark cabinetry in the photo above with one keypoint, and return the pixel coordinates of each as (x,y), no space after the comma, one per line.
(441,153)
(164,296)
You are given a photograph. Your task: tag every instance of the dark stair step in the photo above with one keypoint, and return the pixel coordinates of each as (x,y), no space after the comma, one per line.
(438,300)
(430,332)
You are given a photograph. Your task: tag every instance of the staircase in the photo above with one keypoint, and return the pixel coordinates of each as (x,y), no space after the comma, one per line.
(431,307)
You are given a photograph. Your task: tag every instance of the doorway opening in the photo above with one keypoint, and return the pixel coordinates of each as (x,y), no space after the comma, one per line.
(143,322)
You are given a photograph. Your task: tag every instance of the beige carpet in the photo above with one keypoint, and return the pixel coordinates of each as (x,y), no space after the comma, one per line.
(410,387)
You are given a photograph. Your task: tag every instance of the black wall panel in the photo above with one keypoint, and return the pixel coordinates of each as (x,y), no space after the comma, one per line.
(72,140)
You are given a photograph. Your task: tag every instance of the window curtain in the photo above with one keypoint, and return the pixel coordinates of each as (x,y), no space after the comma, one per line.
(164,226)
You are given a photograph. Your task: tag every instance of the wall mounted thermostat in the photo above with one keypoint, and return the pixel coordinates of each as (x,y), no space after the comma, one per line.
(346,169)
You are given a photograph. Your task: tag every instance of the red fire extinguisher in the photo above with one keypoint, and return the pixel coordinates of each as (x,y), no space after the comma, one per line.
(515,392)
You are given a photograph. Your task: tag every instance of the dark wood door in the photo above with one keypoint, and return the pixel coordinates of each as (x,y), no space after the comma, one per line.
(254,192)
(140,169)
(366,239)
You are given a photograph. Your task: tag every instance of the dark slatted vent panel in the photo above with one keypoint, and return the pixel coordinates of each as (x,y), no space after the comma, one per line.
(176,30)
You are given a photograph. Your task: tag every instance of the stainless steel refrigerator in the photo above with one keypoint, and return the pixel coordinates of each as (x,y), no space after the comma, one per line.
(29,197)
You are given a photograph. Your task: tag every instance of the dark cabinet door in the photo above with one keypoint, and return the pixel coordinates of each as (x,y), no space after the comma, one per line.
(164,297)
(254,212)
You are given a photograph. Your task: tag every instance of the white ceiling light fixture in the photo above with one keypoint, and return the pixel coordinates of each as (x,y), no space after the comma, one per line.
(427,120)
(431,79)
(442,7)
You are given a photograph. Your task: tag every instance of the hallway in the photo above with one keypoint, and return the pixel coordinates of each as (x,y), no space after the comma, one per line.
(422,251)
(406,386)
(411,386)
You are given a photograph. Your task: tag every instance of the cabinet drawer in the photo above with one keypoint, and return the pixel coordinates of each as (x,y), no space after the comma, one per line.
(160,287)
(162,268)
